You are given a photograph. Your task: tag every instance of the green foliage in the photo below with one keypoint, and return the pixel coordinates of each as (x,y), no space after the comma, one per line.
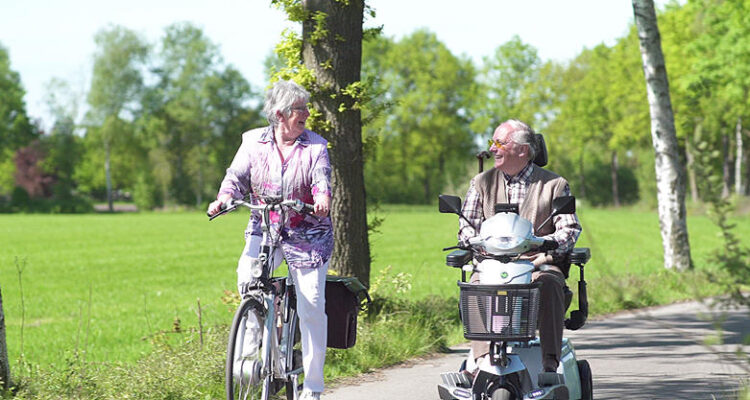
(7,172)
(190,368)
(290,66)
(116,87)
(20,200)
(601,113)
(169,141)
(15,128)
(512,86)
(117,78)
(189,364)
(598,179)
(424,140)
(146,195)
(174,111)
(397,329)
(732,256)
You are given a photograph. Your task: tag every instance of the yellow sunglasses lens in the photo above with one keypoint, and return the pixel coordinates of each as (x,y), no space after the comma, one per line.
(497,143)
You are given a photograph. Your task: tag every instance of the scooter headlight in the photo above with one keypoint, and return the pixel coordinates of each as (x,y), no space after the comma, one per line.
(503,243)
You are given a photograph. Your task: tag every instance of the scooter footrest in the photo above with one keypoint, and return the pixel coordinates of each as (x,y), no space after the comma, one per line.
(551,379)
(457,379)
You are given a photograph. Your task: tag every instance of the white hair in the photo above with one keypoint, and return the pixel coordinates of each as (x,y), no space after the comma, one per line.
(281,97)
(522,133)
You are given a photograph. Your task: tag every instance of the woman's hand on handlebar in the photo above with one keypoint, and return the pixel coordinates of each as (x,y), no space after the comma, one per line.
(216,205)
(322,206)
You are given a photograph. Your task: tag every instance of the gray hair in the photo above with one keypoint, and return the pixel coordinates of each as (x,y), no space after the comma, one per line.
(281,97)
(521,133)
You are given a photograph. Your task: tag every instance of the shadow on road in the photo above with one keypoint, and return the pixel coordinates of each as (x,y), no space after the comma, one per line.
(667,353)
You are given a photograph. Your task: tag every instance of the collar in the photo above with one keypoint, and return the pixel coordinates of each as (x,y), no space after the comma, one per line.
(521,176)
(267,136)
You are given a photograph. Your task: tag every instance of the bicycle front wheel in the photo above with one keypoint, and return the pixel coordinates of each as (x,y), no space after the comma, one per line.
(293,355)
(244,367)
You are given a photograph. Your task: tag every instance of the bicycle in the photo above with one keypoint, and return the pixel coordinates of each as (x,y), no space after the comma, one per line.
(276,363)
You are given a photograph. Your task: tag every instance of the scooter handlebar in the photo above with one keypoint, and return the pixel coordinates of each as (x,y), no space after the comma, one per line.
(549,245)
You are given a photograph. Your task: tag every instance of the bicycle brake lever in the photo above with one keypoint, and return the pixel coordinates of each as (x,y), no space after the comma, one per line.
(229,205)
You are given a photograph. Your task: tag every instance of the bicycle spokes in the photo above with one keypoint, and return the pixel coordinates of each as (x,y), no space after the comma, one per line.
(247,375)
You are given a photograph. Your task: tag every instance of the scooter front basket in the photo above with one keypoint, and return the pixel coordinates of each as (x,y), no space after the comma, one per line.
(499,312)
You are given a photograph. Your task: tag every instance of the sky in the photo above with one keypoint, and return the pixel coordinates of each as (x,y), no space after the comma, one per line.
(49,39)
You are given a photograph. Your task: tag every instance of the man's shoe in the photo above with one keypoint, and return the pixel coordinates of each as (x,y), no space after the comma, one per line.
(310,395)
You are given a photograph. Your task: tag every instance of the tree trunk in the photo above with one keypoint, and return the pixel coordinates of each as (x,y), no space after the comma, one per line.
(108,175)
(336,60)
(725,165)
(691,165)
(615,191)
(582,175)
(426,188)
(4,364)
(670,185)
(199,189)
(739,184)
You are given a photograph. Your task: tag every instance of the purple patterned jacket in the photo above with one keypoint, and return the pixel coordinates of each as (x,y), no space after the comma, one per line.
(258,172)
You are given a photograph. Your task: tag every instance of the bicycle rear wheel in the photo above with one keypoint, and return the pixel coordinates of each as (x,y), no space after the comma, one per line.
(244,367)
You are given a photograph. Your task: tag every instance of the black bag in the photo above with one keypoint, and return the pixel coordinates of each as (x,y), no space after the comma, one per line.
(345,297)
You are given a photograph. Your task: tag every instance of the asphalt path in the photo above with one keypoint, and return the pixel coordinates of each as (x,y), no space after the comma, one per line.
(668,352)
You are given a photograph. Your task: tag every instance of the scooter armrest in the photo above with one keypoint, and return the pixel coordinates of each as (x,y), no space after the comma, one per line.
(580,255)
(458,258)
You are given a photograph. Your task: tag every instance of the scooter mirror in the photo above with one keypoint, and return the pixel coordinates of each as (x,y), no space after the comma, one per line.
(449,204)
(564,205)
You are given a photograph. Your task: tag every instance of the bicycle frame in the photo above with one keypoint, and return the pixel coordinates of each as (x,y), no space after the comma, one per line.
(277,358)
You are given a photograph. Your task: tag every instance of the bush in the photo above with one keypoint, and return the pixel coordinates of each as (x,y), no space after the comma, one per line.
(19,199)
(62,201)
(145,194)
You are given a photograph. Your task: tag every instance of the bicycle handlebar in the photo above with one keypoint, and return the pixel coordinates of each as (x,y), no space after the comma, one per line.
(274,204)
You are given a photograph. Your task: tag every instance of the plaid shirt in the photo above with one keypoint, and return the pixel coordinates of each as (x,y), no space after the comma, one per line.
(567,227)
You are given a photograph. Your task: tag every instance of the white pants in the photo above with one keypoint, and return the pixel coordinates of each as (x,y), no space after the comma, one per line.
(309,286)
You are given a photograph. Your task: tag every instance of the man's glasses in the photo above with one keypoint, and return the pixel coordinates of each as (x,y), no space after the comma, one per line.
(300,109)
(498,144)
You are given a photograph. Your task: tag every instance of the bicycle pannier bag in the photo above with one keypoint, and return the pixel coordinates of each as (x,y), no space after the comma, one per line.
(345,297)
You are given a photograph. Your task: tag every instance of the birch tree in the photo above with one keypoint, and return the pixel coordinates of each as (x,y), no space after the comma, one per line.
(739,187)
(670,181)
(115,87)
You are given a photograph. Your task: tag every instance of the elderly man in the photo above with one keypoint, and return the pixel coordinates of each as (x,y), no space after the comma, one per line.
(516,179)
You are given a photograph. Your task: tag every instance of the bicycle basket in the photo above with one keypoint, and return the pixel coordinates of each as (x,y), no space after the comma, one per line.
(499,312)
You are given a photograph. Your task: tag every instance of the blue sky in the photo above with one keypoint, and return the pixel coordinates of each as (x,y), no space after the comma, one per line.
(54,38)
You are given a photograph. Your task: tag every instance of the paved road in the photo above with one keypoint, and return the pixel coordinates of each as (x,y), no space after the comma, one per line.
(649,354)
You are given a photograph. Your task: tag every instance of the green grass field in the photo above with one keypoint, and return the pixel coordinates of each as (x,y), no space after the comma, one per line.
(100,286)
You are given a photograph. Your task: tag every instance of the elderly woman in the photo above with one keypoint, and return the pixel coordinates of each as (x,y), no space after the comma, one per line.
(285,160)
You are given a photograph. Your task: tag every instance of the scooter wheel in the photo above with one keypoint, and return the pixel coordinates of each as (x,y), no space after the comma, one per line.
(501,394)
(587,381)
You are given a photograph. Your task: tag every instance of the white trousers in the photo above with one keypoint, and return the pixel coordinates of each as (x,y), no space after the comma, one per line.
(309,284)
